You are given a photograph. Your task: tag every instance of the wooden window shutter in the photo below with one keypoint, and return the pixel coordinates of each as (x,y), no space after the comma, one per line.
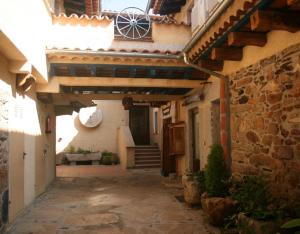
(177,138)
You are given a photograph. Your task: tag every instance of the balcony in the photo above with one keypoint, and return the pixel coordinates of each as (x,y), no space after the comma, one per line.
(201,11)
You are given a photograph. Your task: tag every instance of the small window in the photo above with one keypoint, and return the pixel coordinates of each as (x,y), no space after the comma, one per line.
(155,122)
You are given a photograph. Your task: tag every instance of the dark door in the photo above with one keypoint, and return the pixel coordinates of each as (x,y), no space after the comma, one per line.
(194,120)
(168,161)
(139,124)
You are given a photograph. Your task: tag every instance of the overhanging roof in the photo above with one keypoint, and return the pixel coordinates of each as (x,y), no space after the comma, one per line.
(165,7)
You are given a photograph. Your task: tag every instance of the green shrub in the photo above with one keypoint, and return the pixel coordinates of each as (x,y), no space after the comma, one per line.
(200,177)
(254,198)
(294,223)
(71,149)
(216,173)
(82,151)
(107,158)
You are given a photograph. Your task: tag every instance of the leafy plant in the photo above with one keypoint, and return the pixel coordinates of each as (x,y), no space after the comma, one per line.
(71,149)
(82,151)
(107,158)
(294,223)
(200,177)
(254,198)
(216,173)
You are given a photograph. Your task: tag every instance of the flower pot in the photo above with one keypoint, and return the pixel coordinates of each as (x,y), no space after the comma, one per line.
(217,209)
(191,191)
(248,225)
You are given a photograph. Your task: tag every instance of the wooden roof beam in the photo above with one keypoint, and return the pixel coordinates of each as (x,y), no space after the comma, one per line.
(264,21)
(233,54)
(293,4)
(54,85)
(246,38)
(213,65)
(65,99)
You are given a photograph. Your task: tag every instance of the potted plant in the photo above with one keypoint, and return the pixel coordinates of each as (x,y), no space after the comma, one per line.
(193,187)
(81,155)
(107,158)
(258,212)
(214,202)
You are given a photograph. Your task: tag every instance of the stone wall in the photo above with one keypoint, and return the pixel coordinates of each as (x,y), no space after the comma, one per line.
(265,121)
(4,98)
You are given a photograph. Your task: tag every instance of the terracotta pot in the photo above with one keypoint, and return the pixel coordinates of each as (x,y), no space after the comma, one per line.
(217,209)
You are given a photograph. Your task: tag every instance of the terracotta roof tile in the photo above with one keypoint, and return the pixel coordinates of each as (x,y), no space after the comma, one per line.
(119,50)
(229,18)
(64,19)
(108,16)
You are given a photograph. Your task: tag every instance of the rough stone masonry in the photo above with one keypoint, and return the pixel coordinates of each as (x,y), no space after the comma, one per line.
(265,121)
(4,101)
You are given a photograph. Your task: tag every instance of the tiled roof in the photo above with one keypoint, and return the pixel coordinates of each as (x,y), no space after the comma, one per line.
(108,17)
(63,18)
(120,50)
(230,17)
(165,7)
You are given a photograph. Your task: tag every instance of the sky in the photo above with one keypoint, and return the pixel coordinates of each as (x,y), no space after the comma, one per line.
(119,5)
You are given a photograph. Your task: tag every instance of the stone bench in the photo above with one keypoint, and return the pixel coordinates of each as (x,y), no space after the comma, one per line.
(94,157)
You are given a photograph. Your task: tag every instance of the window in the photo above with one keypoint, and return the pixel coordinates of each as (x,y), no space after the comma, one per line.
(155,122)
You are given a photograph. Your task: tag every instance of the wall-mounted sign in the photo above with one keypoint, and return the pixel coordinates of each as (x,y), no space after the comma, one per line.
(90,117)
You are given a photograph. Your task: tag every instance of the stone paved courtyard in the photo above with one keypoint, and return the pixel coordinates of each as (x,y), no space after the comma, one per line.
(137,202)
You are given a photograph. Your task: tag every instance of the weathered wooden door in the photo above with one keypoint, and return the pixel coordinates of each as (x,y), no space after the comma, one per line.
(168,161)
(195,147)
(139,124)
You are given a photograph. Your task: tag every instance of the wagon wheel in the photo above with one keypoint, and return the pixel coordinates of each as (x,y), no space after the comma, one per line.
(133,23)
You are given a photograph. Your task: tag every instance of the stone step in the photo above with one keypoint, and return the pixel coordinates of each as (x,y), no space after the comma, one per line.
(141,162)
(147,150)
(147,154)
(147,158)
(146,146)
(147,166)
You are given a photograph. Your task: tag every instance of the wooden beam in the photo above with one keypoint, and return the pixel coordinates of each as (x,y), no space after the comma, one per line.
(233,54)
(213,65)
(20,67)
(54,85)
(126,82)
(294,4)
(247,38)
(65,99)
(264,21)
(277,4)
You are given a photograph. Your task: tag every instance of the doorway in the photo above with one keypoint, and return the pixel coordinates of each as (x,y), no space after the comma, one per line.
(194,136)
(139,124)
(168,161)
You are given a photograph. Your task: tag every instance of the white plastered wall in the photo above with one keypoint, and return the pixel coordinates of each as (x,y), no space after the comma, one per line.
(26,135)
(70,132)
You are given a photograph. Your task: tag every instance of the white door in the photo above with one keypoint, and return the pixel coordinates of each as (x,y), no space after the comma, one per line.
(16,160)
(30,123)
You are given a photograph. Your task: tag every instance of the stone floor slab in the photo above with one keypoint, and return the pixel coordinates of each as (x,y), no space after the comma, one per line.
(133,203)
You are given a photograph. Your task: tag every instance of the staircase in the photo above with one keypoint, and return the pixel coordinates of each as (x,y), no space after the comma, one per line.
(147,156)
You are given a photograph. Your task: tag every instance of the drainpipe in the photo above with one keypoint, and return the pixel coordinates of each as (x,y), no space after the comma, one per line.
(148,6)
